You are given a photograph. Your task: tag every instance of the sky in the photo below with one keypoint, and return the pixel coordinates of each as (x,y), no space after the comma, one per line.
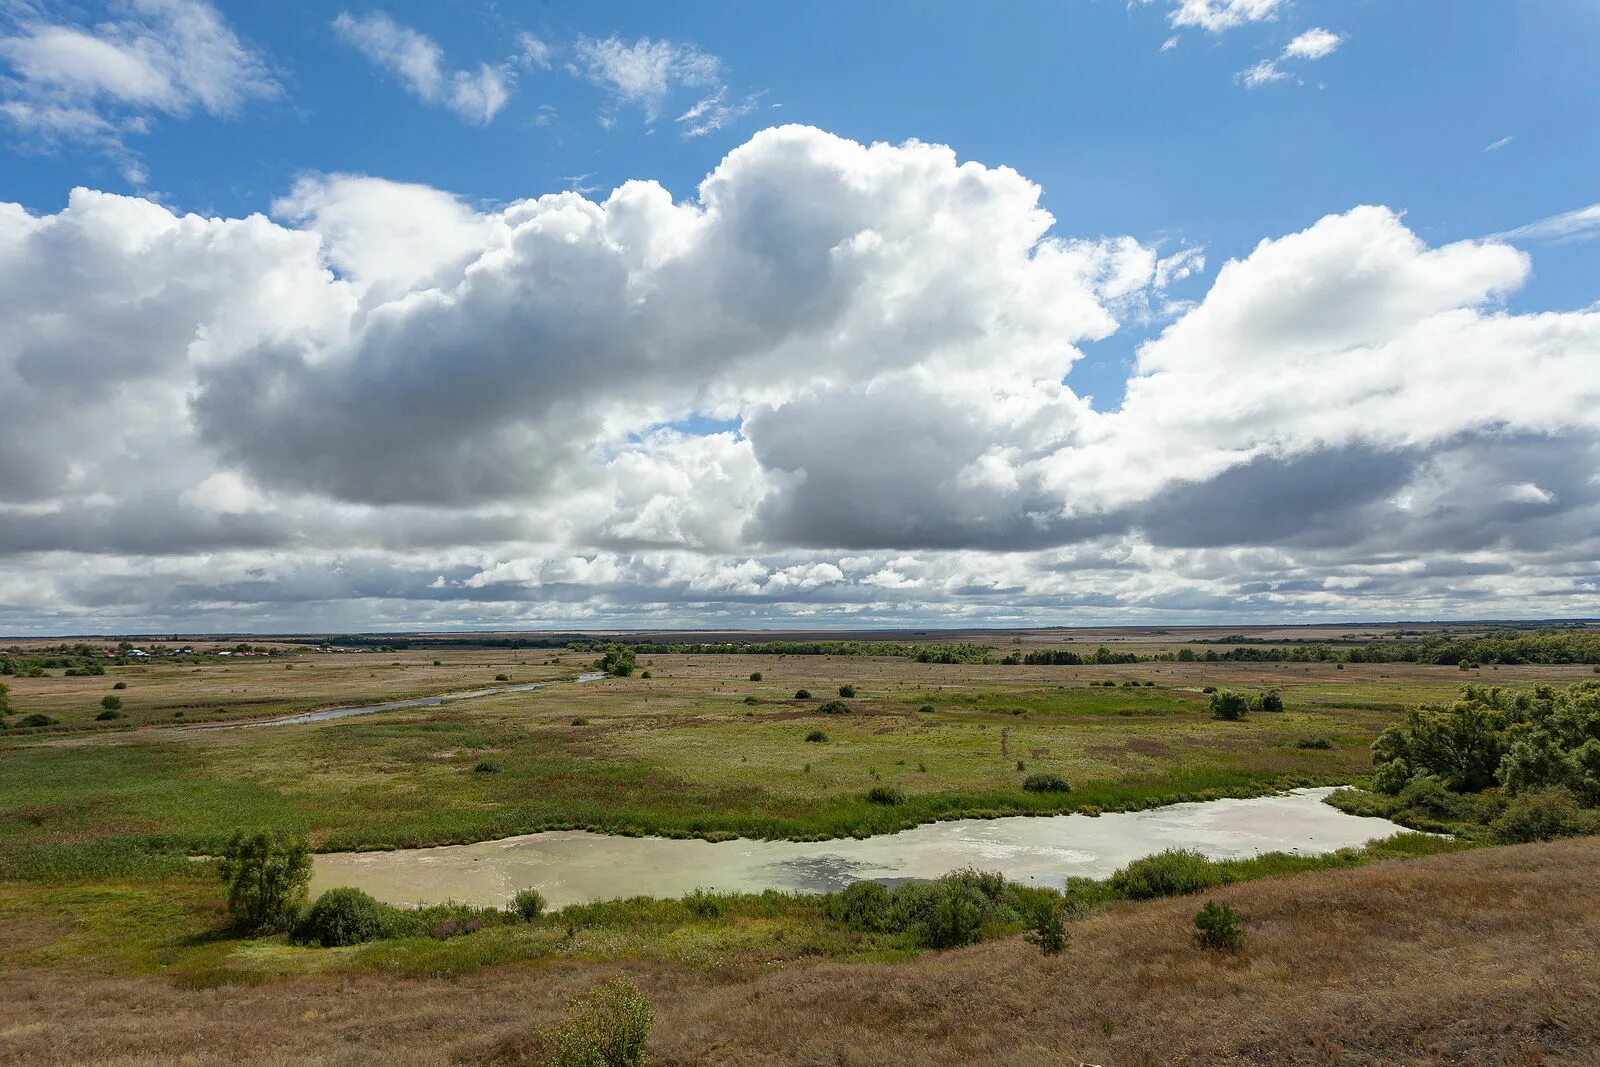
(324,316)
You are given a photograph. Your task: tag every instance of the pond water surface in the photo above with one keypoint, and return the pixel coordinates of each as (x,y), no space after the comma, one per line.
(569,866)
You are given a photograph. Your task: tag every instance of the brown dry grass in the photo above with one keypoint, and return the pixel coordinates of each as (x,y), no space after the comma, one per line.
(1484,957)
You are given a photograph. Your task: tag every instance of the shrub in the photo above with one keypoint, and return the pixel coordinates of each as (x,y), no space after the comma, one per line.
(5,697)
(1314,742)
(644,674)
(926,709)
(802,694)
(487,766)
(502,677)
(816,737)
(886,794)
(608,1026)
(527,905)
(1269,700)
(751,701)
(847,691)
(755,676)
(343,917)
(1229,706)
(120,685)
(1049,930)
(1218,928)
(36,719)
(955,914)
(1209,689)
(111,703)
(1543,815)
(1172,873)
(865,906)
(1047,782)
(579,720)
(835,707)
(266,875)
(438,663)
(108,715)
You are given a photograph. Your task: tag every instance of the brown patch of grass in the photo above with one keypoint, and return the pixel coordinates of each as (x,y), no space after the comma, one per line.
(1483,957)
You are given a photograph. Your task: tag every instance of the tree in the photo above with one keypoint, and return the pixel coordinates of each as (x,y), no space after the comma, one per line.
(1217,927)
(5,700)
(617,660)
(1049,930)
(267,875)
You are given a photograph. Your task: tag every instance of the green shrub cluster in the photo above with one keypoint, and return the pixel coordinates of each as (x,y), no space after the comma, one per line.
(1172,873)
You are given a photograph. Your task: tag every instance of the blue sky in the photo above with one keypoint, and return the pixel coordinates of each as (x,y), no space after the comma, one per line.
(1136,119)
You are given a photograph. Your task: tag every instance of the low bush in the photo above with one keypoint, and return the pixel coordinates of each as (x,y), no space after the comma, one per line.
(802,694)
(502,677)
(1543,815)
(1218,928)
(108,715)
(579,720)
(755,676)
(36,719)
(926,709)
(863,906)
(344,917)
(487,766)
(111,703)
(1314,742)
(1049,930)
(527,905)
(1172,873)
(608,1026)
(120,685)
(847,691)
(1269,700)
(835,707)
(817,737)
(886,794)
(1229,706)
(1047,782)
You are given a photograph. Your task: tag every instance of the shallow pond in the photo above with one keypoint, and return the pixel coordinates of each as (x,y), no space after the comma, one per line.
(569,866)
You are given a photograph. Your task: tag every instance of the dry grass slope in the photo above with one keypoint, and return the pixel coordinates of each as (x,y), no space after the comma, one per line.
(1483,957)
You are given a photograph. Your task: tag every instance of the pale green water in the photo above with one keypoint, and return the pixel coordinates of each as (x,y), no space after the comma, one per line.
(573,865)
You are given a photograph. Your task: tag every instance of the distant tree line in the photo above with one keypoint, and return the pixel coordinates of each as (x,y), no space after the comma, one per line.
(923,653)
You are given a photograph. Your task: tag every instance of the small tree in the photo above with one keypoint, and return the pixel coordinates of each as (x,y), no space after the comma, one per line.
(5,700)
(1049,930)
(608,1026)
(617,660)
(755,676)
(1218,928)
(1270,700)
(267,875)
(1229,706)
(527,905)
(111,703)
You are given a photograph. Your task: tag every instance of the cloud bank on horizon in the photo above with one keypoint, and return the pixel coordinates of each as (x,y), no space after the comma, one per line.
(827,389)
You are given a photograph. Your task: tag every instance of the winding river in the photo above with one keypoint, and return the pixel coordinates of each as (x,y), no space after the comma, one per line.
(570,866)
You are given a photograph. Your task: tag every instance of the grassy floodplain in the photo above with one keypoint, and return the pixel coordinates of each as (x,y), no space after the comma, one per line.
(102,818)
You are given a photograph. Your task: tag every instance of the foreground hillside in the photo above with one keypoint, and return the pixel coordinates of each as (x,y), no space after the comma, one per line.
(1482,957)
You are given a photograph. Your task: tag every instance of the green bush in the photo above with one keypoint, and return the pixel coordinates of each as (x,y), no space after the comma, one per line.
(1314,742)
(926,709)
(751,701)
(954,916)
(864,906)
(1209,689)
(120,685)
(1047,782)
(644,674)
(343,917)
(502,677)
(579,720)
(618,661)
(108,715)
(36,719)
(487,766)
(1218,928)
(817,737)
(111,703)
(527,905)
(755,676)
(608,1026)
(847,691)
(835,707)
(886,794)
(802,694)
(1543,815)
(1269,700)
(1172,873)
(1229,706)
(266,875)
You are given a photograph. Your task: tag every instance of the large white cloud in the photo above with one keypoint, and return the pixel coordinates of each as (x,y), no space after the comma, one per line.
(829,385)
